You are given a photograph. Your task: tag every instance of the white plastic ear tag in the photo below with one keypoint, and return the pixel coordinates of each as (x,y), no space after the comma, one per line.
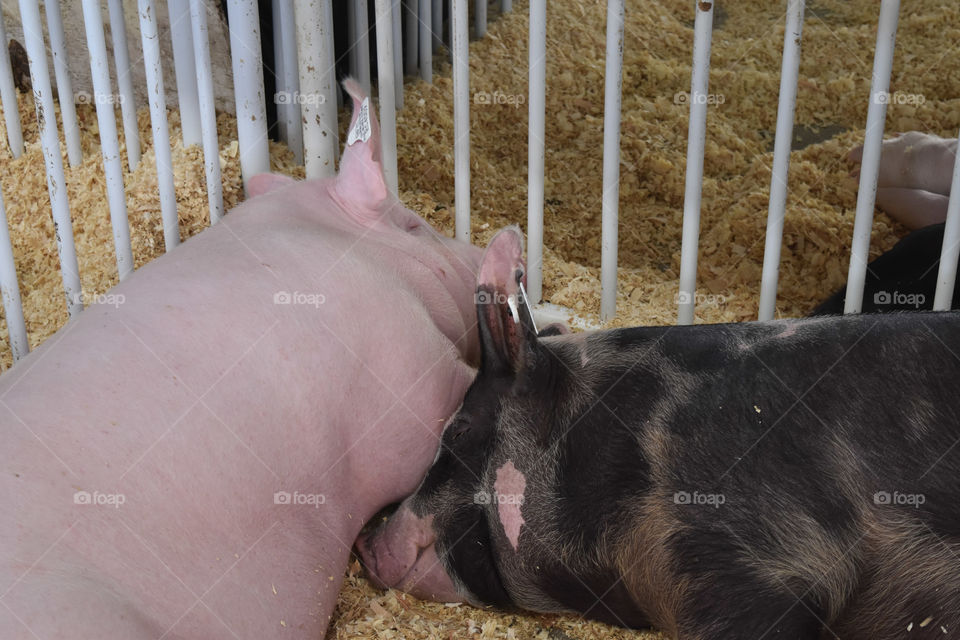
(526,302)
(361,128)
(514,310)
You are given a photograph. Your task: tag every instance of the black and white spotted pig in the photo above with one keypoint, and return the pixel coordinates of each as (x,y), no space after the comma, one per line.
(793,479)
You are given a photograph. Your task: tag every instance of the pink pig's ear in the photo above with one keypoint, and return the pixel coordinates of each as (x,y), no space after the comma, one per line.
(508,336)
(361,178)
(266,182)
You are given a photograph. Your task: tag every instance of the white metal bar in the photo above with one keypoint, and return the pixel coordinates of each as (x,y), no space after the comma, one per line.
(426,42)
(506,6)
(789,72)
(610,202)
(537,106)
(50,142)
(248,87)
(184,64)
(8,95)
(397,22)
(208,114)
(696,140)
(150,38)
(459,28)
(385,80)
(872,144)
(361,42)
(318,109)
(68,110)
(109,145)
(10,291)
(281,97)
(411,30)
(288,78)
(480,17)
(950,252)
(436,16)
(128,102)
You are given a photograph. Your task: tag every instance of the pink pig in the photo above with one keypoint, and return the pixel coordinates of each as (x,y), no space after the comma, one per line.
(195,458)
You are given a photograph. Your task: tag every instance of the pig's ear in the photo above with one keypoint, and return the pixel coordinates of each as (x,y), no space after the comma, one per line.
(508,338)
(266,182)
(361,170)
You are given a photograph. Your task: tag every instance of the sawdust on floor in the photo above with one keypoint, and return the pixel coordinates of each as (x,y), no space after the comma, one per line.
(838,45)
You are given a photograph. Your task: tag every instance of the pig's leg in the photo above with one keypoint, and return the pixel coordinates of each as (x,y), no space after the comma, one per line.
(741,608)
(914,161)
(914,208)
(916,170)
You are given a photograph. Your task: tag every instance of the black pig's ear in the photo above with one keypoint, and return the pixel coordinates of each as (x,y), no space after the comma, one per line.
(508,336)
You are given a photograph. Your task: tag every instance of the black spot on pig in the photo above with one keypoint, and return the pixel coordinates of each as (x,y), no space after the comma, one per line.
(902,279)
(20,64)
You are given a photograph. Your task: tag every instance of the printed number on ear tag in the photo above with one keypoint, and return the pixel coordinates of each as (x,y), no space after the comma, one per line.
(361,128)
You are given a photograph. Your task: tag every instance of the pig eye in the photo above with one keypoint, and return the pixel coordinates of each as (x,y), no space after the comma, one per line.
(458,429)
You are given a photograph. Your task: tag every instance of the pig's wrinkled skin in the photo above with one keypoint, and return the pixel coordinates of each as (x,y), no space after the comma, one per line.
(314,342)
(792,479)
(915,175)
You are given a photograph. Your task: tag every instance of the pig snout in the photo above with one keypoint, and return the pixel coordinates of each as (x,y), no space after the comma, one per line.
(402,554)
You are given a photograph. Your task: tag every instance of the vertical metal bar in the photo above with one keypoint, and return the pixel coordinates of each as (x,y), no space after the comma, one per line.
(68,110)
(8,95)
(109,145)
(950,252)
(184,64)
(426,42)
(281,97)
(49,140)
(480,19)
(318,111)
(247,58)
(411,30)
(362,43)
(461,116)
(789,72)
(208,114)
(150,38)
(397,22)
(696,140)
(10,290)
(285,46)
(610,202)
(385,79)
(436,16)
(506,6)
(870,167)
(128,102)
(535,147)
